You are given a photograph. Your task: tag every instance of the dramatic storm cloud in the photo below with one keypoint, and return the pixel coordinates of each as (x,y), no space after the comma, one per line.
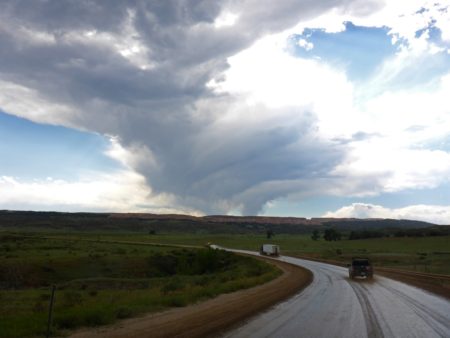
(231,106)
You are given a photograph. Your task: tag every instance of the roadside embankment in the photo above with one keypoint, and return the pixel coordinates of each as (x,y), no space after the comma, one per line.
(438,284)
(210,318)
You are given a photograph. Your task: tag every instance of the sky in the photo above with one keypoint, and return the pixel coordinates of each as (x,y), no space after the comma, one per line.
(333,108)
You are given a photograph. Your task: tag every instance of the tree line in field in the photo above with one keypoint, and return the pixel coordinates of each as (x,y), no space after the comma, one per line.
(332,234)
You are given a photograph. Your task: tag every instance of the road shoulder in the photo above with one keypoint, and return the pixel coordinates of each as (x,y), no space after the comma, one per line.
(211,317)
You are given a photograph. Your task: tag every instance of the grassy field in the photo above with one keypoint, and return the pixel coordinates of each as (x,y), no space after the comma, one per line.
(98,283)
(100,280)
(423,254)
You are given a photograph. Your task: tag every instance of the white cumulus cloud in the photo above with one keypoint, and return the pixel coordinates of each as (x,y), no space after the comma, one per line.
(120,192)
(437,214)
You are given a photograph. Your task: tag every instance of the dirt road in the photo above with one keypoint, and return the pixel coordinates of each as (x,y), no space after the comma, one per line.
(333,305)
(211,317)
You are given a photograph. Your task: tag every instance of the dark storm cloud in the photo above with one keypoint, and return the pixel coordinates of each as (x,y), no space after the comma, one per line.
(167,107)
(66,15)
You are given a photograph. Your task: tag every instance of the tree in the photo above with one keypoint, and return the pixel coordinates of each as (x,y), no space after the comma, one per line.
(331,235)
(269,233)
(315,235)
(353,235)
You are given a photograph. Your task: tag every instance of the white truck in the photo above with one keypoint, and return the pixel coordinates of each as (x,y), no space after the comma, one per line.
(269,250)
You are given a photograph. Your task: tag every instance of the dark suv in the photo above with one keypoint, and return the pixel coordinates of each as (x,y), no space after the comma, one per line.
(360,267)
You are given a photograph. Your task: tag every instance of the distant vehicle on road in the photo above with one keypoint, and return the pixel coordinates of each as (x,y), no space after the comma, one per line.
(269,250)
(212,246)
(360,267)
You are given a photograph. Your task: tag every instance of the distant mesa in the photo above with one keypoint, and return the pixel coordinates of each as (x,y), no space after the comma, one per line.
(155,223)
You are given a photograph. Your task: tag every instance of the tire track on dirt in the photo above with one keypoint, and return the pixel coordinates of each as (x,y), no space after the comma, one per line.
(373,326)
(348,308)
(424,312)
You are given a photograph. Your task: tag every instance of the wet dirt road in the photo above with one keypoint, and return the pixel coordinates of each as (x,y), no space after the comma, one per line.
(335,306)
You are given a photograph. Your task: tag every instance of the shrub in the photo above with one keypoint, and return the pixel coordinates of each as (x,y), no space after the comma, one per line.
(315,235)
(123,313)
(201,281)
(331,235)
(39,307)
(121,251)
(71,298)
(209,261)
(173,285)
(161,266)
(95,318)
(67,321)
(177,301)
(186,262)
(44,296)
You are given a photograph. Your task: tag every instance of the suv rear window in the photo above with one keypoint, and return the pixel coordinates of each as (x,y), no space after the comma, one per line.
(362,262)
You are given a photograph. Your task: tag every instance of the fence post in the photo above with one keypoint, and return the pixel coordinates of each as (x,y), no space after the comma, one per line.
(50,311)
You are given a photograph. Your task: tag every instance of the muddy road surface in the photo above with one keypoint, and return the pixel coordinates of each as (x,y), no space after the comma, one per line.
(335,306)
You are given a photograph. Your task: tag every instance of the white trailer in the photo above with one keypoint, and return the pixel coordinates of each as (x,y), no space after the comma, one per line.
(269,250)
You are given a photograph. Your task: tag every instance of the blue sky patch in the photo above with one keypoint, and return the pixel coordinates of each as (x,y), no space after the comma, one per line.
(36,151)
(359,49)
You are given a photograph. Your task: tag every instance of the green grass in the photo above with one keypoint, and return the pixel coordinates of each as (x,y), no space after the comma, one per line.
(99,283)
(424,254)
(100,280)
